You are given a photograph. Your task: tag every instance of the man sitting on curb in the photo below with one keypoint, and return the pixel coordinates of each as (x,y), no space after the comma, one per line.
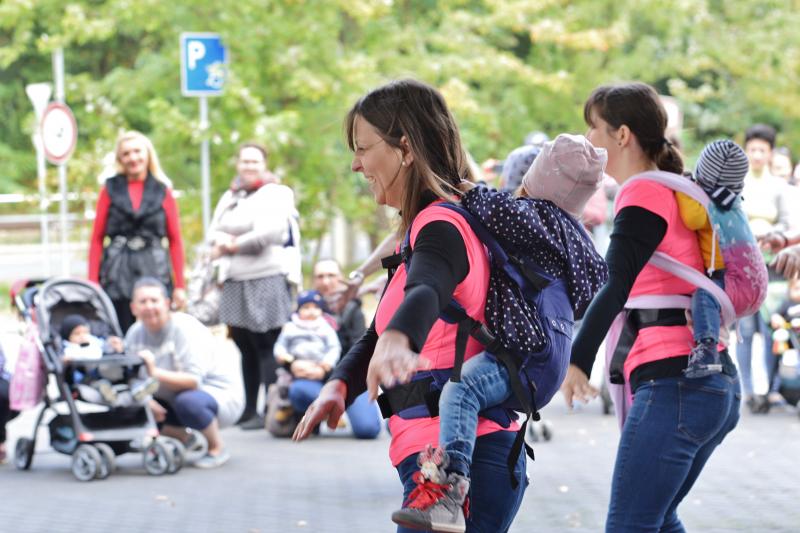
(348,321)
(178,351)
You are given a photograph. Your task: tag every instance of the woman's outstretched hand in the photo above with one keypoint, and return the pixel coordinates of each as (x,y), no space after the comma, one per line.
(393,362)
(329,406)
(576,386)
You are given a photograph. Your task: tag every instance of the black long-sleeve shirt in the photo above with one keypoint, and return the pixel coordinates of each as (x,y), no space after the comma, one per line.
(636,235)
(438,264)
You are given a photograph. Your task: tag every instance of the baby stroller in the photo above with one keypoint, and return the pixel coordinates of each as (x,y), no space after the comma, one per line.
(92,437)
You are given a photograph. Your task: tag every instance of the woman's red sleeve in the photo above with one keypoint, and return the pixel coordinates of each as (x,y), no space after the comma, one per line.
(98,233)
(175,240)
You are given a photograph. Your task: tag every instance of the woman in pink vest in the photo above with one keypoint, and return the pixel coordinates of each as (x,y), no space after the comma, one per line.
(674,423)
(408,148)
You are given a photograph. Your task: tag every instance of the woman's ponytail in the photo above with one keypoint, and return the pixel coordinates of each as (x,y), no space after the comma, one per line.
(669,159)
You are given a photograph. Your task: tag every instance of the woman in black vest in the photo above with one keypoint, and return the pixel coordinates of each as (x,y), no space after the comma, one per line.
(136,212)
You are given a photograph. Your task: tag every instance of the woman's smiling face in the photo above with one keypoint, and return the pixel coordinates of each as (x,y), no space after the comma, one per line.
(132,155)
(381,164)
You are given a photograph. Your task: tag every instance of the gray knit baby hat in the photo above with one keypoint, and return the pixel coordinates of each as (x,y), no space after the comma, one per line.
(720,171)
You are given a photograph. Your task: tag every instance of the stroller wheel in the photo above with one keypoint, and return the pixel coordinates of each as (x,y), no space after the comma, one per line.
(108,462)
(86,462)
(177,453)
(156,458)
(547,430)
(23,453)
(532,433)
(196,447)
(605,397)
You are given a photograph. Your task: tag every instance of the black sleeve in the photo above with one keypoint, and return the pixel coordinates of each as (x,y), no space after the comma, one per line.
(352,368)
(352,325)
(438,264)
(636,235)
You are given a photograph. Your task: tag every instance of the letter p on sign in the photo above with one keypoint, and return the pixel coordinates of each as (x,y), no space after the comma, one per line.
(197,51)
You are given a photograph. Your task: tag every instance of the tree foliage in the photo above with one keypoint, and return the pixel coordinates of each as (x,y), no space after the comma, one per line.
(505,67)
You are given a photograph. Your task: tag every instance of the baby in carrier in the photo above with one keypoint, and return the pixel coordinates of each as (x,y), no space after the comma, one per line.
(567,172)
(94,384)
(720,172)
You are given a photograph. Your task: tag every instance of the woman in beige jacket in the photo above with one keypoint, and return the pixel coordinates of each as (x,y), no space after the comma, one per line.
(255,236)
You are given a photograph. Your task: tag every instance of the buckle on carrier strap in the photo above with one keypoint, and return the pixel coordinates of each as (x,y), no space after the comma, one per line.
(636,319)
(417,393)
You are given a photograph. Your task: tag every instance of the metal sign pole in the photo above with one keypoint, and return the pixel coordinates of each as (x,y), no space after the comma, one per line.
(204,166)
(39,94)
(44,202)
(58,75)
(203,70)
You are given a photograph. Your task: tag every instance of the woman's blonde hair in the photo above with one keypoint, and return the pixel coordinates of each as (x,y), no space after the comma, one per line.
(414,110)
(153,166)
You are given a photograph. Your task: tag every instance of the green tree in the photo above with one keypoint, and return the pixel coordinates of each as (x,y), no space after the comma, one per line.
(505,67)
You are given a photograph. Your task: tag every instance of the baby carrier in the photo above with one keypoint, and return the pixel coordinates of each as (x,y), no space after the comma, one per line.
(745,282)
(522,297)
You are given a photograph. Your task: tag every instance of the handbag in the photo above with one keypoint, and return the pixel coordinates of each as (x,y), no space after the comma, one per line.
(28,381)
(280,418)
(204,290)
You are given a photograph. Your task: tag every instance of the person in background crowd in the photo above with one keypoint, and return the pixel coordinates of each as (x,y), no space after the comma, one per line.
(515,166)
(135,213)
(196,391)
(307,348)
(767,202)
(492,168)
(781,165)
(348,320)
(6,413)
(253,231)
(369,266)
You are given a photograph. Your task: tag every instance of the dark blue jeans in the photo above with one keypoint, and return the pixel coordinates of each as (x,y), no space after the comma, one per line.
(362,413)
(493,502)
(672,429)
(193,408)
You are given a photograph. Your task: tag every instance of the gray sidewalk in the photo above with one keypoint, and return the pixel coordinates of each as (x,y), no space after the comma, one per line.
(333,483)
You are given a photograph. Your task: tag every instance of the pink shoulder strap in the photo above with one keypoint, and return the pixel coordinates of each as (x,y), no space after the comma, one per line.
(670,264)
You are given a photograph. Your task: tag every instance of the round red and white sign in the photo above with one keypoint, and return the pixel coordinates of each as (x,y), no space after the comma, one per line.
(59,133)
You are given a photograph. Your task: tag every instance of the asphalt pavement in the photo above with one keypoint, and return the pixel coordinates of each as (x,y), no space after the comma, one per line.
(334,483)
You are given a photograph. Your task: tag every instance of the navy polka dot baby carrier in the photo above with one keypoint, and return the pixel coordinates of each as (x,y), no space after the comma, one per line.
(529,321)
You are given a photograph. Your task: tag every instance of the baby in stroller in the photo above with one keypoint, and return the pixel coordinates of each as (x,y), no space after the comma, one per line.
(96,385)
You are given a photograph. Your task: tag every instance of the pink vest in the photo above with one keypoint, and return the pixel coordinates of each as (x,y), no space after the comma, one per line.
(411,436)
(679,242)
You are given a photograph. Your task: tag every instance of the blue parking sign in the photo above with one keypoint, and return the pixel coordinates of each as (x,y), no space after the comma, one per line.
(204,64)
